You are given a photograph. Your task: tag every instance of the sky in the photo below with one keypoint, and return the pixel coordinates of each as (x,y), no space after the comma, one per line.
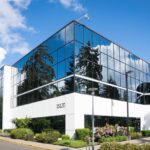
(24,24)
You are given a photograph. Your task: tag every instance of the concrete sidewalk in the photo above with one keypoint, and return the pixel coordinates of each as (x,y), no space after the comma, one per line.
(138,141)
(43,146)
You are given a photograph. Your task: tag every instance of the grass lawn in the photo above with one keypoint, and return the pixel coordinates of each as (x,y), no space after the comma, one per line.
(71,143)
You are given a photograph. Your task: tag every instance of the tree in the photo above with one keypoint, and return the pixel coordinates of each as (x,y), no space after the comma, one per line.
(88,65)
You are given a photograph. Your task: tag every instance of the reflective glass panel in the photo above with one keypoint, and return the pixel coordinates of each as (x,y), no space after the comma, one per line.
(79,32)
(116,52)
(70,32)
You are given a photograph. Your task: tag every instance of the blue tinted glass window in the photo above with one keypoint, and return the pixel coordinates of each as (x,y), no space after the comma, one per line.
(110,63)
(133,83)
(116,52)
(70,32)
(69,66)
(61,70)
(122,55)
(61,54)
(110,49)
(54,56)
(110,76)
(55,72)
(122,67)
(48,44)
(96,40)
(123,84)
(69,49)
(103,59)
(79,32)
(58,40)
(104,74)
(117,65)
(87,37)
(104,45)
(78,47)
(127,57)
(117,78)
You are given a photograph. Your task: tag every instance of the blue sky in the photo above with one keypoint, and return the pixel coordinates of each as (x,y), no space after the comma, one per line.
(26,23)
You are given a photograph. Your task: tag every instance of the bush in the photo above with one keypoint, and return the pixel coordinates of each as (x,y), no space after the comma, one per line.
(22,133)
(132,130)
(47,137)
(21,123)
(65,137)
(128,146)
(8,130)
(146,132)
(110,130)
(145,147)
(111,146)
(71,143)
(41,137)
(1,131)
(82,133)
(113,139)
(136,135)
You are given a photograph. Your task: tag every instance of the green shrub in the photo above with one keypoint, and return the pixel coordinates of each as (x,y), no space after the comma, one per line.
(82,133)
(71,143)
(8,130)
(65,137)
(1,131)
(21,123)
(53,136)
(136,135)
(113,139)
(146,132)
(111,146)
(22,133)
(128,146)
(131,129)
(41,137)
(145,147)
(47,137)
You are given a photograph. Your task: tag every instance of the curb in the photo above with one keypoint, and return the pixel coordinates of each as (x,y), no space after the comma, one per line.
(24,144)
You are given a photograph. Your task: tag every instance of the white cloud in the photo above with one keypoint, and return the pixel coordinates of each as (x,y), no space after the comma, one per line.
(74,5)
(21,3)
(2,55)
(11,19)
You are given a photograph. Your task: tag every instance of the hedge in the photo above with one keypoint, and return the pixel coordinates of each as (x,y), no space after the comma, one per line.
(22,133)
(47,137)
(146,132)
(128,146)
(82,133)
(113,139)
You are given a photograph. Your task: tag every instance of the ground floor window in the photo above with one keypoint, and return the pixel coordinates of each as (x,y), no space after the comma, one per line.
(101,121)
(46,123)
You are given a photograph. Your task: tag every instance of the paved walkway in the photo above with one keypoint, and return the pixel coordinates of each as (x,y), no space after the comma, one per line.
(138,141)
(55,147)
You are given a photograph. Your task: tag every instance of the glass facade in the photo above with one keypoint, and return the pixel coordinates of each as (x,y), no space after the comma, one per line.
(60,64)
(101,121)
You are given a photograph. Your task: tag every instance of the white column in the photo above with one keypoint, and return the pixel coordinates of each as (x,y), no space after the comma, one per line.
(73,122)
(7,124)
